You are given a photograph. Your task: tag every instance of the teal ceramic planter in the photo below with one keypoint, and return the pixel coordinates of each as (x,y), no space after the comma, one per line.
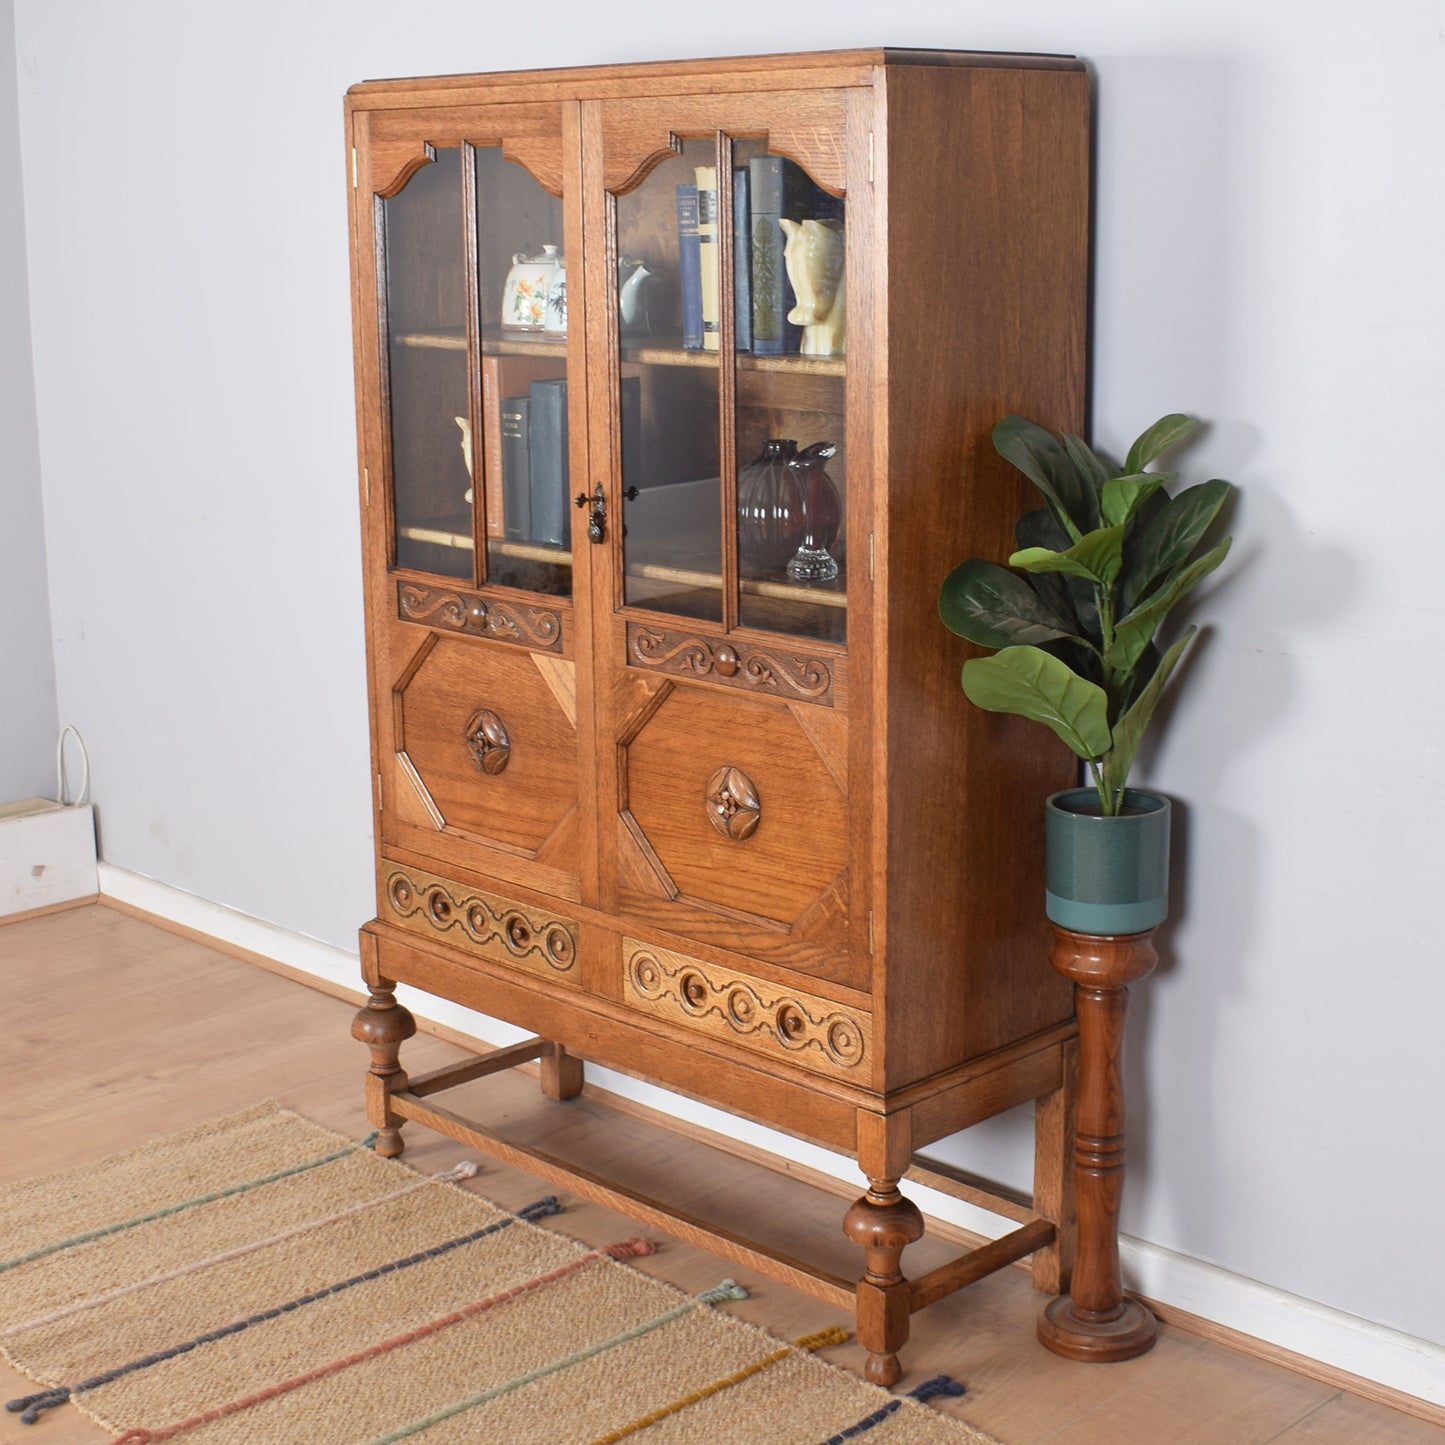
(1107,875)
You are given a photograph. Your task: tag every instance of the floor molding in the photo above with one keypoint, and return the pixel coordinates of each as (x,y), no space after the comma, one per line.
(1326,1344)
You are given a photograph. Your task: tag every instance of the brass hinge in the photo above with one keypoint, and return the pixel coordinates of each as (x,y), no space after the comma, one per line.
(354,180)
(366,483)
(378,792)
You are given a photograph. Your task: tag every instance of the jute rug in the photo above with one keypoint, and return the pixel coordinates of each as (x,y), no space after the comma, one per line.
(262,1280)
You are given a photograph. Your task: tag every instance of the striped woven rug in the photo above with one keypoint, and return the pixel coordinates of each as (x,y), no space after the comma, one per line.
(262,1280)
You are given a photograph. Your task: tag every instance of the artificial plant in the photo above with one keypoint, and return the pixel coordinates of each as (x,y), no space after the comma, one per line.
(1098,570)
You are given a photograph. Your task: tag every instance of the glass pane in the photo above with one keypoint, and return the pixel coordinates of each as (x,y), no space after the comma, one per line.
(791,404)
(426,310)
(522,304)
(667,302)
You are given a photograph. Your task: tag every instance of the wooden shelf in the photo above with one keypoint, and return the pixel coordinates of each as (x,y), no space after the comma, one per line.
(526,551)
(653,351)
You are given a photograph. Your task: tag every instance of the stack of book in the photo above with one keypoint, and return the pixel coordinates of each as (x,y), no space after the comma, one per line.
(535,492)
(767,188)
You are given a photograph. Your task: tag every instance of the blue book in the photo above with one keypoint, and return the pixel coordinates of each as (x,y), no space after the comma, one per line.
(689,267)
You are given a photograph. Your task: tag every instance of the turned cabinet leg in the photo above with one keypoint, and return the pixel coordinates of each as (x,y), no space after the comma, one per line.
(383,1026)
(1096,1321)
(883,1223)
(562,1076)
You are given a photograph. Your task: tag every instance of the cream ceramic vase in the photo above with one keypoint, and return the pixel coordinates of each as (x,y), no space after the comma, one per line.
(814,258)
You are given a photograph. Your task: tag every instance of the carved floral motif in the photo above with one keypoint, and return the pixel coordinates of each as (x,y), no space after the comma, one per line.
(468,612)
(811,1031)
(732,803)
(483,922)
(776,672)
(487,741)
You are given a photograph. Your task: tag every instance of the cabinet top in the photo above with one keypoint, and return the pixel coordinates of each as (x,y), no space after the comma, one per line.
(808,69)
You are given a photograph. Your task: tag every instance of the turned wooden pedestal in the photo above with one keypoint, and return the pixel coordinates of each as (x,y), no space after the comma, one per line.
(1095,1321)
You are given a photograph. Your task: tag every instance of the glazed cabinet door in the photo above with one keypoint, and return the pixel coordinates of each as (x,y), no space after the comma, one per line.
(470,417)
(721,422)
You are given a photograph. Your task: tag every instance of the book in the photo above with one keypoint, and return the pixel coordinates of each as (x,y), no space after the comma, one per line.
(689,267)
(742,262)
(516,469)
(779,187)
(631,417)
(551,515)
(502,376)
(708,254)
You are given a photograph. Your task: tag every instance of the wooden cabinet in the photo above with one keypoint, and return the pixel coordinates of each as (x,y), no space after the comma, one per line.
(672,765)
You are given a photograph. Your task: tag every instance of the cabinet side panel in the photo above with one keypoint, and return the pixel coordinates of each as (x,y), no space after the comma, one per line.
(988,199)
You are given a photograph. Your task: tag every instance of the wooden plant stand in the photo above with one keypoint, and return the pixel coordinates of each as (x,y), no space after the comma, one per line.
(1095,1321)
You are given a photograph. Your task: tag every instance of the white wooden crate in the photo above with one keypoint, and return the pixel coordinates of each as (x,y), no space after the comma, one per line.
(47,854)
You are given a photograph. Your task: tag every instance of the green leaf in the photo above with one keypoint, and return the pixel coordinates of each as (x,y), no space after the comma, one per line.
(1121,497)
(1097,556)
(1086,461)
(1040,528)
(1034,684)
(1129,729)
(992,606)
(1167,538)
(1038,455)
(1167,432)
(1132,634)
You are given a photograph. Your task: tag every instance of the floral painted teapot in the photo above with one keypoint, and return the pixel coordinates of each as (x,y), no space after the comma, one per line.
(524,300)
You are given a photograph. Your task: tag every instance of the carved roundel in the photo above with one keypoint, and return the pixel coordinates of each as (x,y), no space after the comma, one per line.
(732,803)
(487,741)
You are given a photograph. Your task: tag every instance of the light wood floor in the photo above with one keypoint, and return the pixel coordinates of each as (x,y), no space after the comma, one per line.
(117,1031)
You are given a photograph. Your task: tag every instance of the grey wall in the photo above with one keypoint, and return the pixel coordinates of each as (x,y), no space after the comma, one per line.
(27,672)
(1270,227)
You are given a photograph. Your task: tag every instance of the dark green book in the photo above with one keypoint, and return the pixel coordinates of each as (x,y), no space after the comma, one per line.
(547,443)
(516,470)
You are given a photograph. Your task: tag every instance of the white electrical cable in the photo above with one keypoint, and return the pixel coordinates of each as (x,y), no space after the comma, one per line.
(84,796)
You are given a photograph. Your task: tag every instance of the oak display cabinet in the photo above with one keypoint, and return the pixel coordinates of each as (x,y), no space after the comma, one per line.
(640,789)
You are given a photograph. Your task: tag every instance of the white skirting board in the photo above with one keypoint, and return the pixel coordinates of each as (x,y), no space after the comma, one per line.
(47,854)
(1342,1341)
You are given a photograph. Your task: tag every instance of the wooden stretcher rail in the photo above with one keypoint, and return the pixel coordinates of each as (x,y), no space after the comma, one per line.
(829,1288)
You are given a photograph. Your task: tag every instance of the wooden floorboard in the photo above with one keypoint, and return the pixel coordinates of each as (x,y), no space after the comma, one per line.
(118,1032)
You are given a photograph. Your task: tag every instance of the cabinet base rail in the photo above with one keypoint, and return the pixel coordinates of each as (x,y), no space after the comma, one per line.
(881,1222)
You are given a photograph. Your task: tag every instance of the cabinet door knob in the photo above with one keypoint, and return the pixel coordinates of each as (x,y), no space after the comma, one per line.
(486,738)
(732,803)
(596,506)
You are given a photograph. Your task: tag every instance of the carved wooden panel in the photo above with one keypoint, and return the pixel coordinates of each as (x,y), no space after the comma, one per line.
(481,923)
(400,141)
(439,704)
(450,608)
(772,671)
(813,1032)
(806,126)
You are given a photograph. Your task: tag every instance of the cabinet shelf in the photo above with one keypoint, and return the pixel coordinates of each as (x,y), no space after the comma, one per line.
(653,351)
(651,572)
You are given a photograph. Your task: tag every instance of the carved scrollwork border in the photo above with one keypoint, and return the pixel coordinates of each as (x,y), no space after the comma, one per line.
(811,1031)
(485,924)
(537,628)
(772,671)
